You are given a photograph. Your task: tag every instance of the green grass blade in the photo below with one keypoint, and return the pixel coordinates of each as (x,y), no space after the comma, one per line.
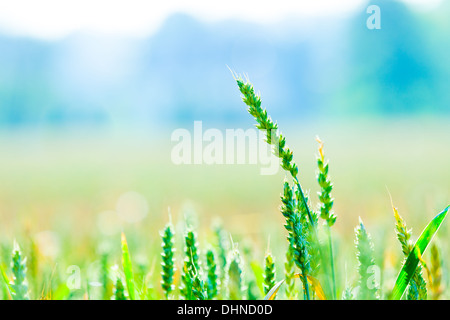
(128,271)
(414,257)
(273,292)
(7,283)
(258,272)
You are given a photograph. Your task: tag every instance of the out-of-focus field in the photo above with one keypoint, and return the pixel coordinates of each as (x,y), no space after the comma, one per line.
(62,187)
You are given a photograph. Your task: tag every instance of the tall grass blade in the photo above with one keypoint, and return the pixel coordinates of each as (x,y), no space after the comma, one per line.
(127,269)
(258,272)
(411,263)
(7,283)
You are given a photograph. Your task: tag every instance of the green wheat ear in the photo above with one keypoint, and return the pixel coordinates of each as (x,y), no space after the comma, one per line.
(212,284)
(273,137)
(326,201)
(186,280)
(234,275)
(191,265)
(326,206)
(192,252)
(417,289)
(269,272)
(199,290)
(289,275)
(168,260)
(436,272)
(119,290)
(222,244)
(19,283)
(368,288)
(296,236)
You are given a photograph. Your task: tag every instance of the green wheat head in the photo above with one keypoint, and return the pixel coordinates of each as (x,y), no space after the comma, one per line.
(326,201)
(296,234)
(119,290)
(265,123)
(187,282)
(168,260)
(417,289)
(199,291)
(289,275)
(19,270)
(368,289)
(234,275)
(212,283)
(269,272)
(436,272)
(191,264)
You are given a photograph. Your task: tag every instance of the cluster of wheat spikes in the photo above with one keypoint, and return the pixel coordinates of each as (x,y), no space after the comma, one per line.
(306,249)
(220,270)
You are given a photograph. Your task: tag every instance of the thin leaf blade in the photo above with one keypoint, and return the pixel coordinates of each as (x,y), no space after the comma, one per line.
(127,268)
(411,263)
(9,289)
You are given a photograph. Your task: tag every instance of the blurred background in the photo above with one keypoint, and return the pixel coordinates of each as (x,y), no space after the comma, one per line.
(90,92)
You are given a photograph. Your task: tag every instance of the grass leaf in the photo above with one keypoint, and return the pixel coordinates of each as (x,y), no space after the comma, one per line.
(258,272)
(410,265)
(7,283)
(274,290)
(127,269)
